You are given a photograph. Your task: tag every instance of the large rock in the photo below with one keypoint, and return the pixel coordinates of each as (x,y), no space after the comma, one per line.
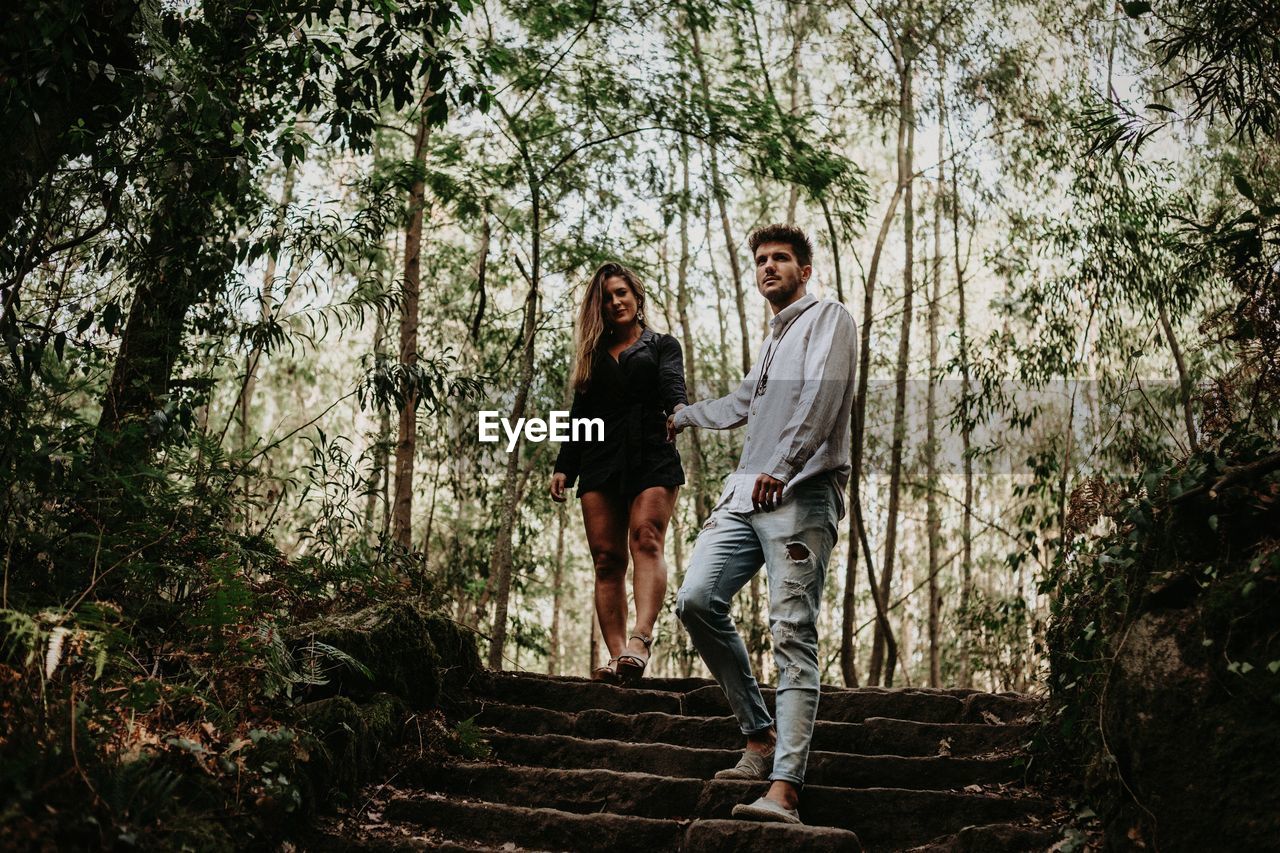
(1199,752)
(457,650)
(393,643)
(350,738)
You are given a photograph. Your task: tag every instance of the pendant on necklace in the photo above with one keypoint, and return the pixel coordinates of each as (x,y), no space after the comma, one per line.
(760,388)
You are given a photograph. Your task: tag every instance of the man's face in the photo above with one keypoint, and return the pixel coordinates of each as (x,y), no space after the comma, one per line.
(779,276)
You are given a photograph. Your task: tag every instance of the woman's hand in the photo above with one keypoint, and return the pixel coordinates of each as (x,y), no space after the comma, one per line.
(557,487)
(671,423)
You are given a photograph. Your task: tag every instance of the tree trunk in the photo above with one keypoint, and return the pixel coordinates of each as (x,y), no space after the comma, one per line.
(966,520)
(178,271)
(933,522)
(1184,378)
(500,560)
(796,25)
(378,472)
(701,502)
(557,593)
(407,440)
(858,424)
(717,190)
(900,384)
(722,323)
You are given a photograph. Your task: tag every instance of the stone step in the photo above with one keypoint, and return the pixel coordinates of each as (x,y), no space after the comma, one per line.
(884,818)
(337,843)
(553,829)
(994,838)
(825,768)
(874,736)
(852,705)
(684,685)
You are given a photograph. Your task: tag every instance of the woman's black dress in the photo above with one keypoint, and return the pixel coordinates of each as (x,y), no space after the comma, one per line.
(633,396)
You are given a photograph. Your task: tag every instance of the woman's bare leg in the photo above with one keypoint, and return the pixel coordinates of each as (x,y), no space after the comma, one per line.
(650,512)
(605,517)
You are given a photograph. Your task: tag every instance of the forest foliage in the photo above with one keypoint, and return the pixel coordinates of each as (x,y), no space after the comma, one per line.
(263,261)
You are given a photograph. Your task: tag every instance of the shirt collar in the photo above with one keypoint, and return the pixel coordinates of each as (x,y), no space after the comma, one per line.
(647,336)
(786,315)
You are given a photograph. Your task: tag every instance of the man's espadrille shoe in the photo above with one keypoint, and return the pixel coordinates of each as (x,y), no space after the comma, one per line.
(767,810)
(752,766)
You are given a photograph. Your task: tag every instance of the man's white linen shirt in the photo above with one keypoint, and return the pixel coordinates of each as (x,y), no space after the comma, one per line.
(798,428)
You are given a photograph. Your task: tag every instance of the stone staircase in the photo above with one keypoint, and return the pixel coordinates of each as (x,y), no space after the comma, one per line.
(583,766)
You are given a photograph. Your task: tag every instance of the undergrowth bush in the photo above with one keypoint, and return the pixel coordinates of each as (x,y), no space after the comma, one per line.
(1200,536)
(145,683)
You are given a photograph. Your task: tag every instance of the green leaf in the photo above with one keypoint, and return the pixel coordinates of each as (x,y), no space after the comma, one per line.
(1273,667)
(1136,8)
(1243,187)
(1164,108)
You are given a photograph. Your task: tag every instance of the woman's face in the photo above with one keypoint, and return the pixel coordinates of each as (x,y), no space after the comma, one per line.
(620,303)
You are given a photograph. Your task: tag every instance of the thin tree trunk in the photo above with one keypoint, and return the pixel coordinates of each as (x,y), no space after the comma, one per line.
(793,90)
(500,561)
(1184,378)
(906,641)
(933,522)
(557,593)
(717,190)
(264,314)
(966,520)
(858,423)
(376,490)
(835,249)
(406,442)
(900,386)
(722,324)
(701,502)
(431,515)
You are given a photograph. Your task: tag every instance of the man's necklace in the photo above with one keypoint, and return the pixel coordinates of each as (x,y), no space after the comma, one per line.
(763,382)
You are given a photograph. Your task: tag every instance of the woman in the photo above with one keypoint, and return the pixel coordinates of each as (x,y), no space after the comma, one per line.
(632,378)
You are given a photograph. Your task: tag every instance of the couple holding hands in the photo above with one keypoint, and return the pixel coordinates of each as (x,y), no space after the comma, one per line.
(779,507)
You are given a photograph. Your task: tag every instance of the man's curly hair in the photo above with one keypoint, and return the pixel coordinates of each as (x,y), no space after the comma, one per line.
(789,234)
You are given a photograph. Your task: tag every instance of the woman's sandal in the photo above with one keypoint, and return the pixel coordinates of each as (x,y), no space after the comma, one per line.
(631,665)
(607,673)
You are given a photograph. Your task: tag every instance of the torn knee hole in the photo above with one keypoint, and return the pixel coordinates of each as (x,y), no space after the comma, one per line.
(784,630)
(797,552)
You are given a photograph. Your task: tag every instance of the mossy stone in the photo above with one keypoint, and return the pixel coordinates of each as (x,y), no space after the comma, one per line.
(350,738)
(392,639)
(458,651)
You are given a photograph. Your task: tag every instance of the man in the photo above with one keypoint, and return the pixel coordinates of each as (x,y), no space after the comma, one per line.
(780,507)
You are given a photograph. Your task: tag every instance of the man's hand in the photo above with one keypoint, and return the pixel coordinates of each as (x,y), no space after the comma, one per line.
(672,429)
(767,493)
(557,487)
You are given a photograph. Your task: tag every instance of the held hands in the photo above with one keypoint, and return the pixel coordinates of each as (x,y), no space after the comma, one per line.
(767,493)
(557,487)
(672,429)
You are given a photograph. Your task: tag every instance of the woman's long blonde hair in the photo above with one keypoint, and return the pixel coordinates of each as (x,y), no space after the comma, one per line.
(591,326)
